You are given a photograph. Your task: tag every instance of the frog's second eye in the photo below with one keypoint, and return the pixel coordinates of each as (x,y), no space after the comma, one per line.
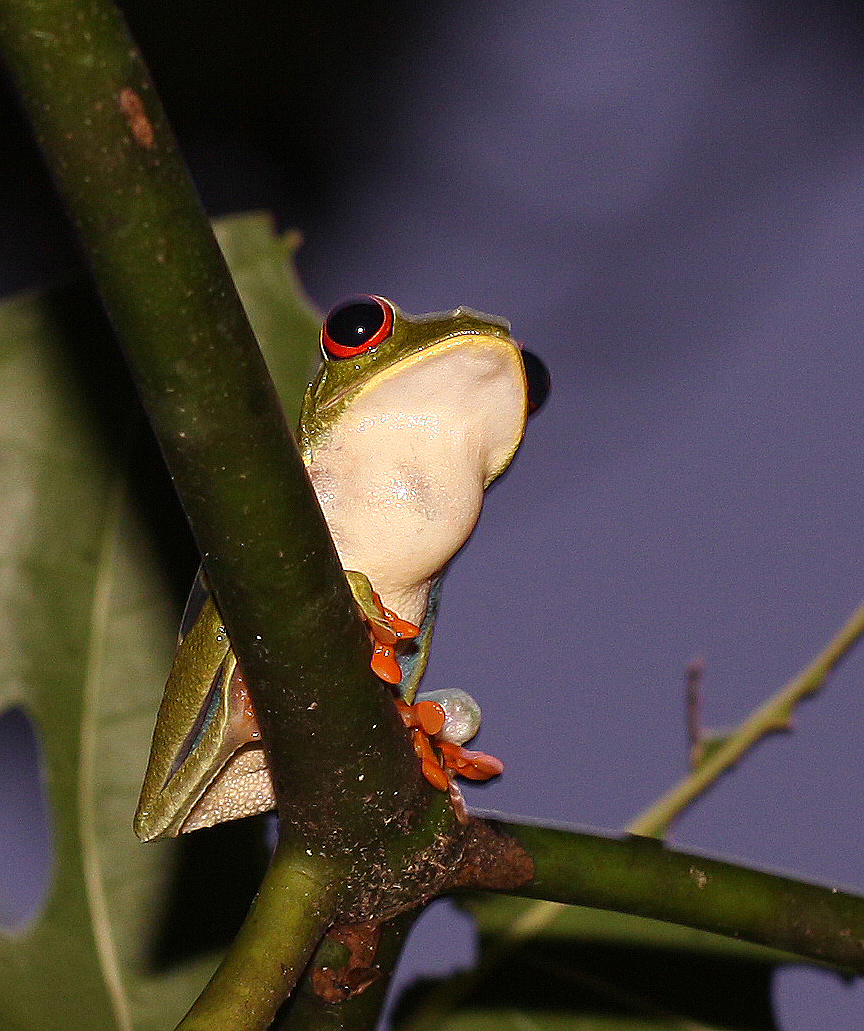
(538,379)
(356,326)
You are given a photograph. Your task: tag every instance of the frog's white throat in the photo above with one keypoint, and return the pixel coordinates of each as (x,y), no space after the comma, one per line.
(401,474)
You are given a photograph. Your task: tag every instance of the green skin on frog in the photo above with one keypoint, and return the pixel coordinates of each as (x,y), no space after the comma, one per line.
(404,427)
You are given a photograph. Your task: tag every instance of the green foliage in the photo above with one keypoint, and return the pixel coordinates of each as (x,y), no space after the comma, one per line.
(91,536)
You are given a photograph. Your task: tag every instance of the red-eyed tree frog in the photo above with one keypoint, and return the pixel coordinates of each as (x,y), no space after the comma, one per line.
(406,424)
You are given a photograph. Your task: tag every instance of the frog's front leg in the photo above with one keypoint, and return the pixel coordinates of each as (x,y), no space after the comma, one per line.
(387,629)
(440,721)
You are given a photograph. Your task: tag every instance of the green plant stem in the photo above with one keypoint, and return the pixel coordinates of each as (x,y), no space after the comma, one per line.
(775,715)
(643,877)
(296,905)
(327,723)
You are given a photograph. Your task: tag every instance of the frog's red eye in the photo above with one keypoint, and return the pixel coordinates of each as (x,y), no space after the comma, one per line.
(356,326)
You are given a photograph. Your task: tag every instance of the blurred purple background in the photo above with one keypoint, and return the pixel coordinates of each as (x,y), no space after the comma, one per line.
(667,200)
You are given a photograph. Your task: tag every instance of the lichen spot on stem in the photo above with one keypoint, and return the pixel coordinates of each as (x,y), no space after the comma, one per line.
(139,124)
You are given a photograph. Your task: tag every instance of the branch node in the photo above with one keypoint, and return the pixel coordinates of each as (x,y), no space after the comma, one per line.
(492,860)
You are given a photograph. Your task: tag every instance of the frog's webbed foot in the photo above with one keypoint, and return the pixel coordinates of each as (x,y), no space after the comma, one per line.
(440,721)
(386,628)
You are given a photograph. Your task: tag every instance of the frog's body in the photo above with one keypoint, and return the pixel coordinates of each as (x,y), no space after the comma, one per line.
(405,425)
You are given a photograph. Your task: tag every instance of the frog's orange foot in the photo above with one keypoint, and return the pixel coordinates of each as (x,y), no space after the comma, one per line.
(426,719)
(465,763)
(384,663)
(386,633)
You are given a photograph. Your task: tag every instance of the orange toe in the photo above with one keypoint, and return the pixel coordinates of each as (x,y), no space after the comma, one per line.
(397,629)
(430,717)
(402,628)
(429,764)
(474,765)
(384,664)
(427,715)
(434,773)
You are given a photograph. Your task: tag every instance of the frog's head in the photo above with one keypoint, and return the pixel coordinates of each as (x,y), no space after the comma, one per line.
(375,354)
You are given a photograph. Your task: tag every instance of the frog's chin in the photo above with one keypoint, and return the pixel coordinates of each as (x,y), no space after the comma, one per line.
(459,403)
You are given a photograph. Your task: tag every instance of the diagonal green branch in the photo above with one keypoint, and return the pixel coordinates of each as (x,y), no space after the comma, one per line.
(257,972)
(773,715)
(208,394)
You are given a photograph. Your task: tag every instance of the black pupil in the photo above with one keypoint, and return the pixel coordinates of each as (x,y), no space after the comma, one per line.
(355,322)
